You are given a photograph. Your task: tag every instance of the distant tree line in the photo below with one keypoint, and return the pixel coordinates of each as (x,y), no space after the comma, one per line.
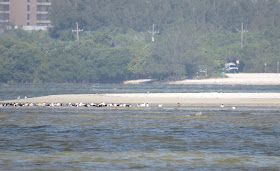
(116,45)
(141,14)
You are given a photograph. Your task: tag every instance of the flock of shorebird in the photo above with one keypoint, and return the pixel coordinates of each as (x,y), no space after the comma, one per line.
(102,104)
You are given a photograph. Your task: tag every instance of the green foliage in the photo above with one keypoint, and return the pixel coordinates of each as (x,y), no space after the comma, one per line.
(19,61)
(141,14)
(116,45)
(101,56)
(259,47)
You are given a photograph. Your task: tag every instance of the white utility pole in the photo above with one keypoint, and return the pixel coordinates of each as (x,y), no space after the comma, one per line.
(277,67)
(153,32)
(77,31)
(242,33)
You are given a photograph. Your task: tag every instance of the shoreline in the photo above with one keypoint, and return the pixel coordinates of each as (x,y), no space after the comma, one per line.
(167,99)
(237,79)
(229,79)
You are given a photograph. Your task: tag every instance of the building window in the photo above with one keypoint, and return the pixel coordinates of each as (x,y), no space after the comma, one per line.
(42,8)
(28,8)
(42,17)
(4,8)
(4,16)
(28,17)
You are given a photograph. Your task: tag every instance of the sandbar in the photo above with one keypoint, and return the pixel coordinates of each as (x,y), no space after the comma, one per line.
(185,99)
(168,99)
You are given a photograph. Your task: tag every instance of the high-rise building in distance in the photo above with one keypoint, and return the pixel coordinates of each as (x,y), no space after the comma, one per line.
(25,12)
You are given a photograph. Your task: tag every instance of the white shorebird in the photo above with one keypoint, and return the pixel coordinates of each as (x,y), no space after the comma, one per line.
(81,104)
(198,114)
(233,108)
(142,105)
(222,106)
(159,105)
(102,104)
(110,105)
(92,104)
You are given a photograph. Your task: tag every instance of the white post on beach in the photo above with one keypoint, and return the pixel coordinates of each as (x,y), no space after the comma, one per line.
(77,31)
(153,32)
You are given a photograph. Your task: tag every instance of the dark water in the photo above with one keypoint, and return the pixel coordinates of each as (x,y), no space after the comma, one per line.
(168,138)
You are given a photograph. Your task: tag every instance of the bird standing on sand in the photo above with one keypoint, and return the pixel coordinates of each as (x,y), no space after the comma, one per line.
(178,104)
(222,106)
(159,105)
(143,105)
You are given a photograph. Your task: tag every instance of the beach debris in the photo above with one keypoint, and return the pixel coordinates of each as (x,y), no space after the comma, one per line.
(233,108)
(178,104)
(25,97)
(18,97)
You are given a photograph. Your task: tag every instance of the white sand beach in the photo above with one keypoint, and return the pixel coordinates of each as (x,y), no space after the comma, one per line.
(240,78)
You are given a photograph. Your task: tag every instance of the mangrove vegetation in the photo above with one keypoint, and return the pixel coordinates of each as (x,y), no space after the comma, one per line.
(116,43)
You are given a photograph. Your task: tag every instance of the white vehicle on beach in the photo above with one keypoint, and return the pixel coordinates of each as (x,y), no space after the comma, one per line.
(231,68)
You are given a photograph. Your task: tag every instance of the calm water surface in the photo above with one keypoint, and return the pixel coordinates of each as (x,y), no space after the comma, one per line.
(12,91)
(185,138)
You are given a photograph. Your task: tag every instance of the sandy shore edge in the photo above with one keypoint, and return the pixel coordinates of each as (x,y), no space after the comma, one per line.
(170,99)
(237,79)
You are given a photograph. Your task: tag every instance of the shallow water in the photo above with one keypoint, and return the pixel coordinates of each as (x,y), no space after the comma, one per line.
(184,138)
(166,138)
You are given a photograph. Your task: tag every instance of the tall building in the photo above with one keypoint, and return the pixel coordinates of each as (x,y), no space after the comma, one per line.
(4,11)
(25,12)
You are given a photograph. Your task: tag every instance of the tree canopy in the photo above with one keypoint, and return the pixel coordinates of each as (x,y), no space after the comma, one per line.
(116,45)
